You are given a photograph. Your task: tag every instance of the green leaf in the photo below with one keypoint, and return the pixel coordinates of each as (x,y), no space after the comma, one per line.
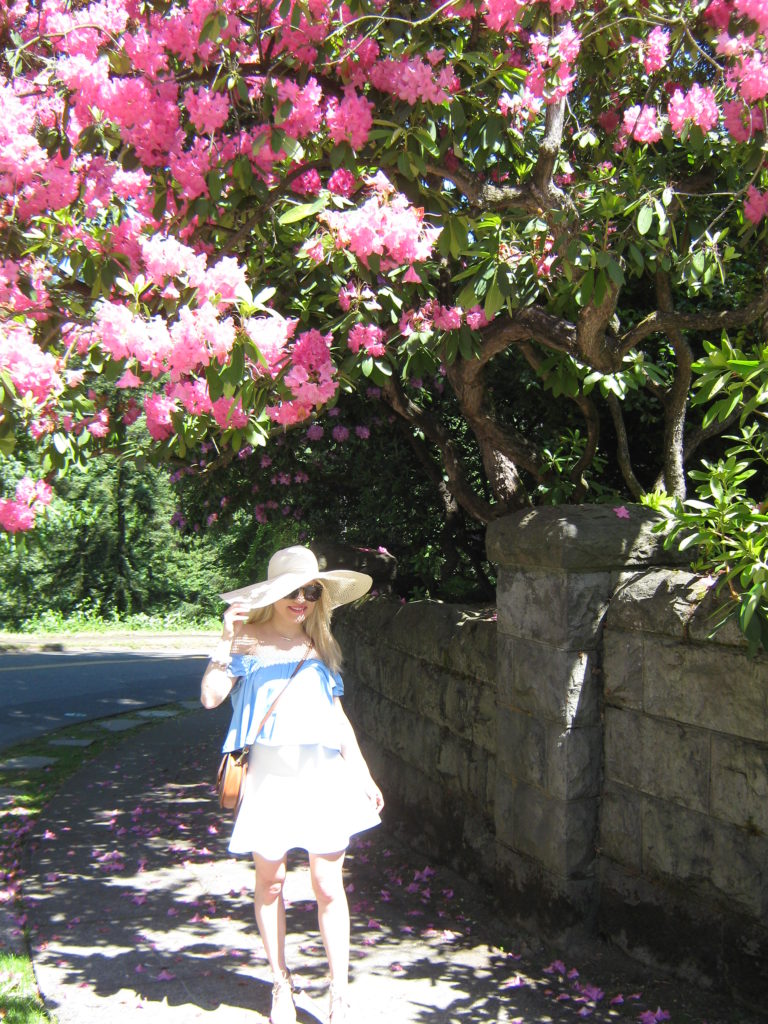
(301,212)
(494,299)
(586,288)
(644,219)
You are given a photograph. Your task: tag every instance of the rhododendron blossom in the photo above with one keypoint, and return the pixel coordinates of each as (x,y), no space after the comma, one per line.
(656,50)
(742,123)
(640,123)
(31,371)
(369,337)
(19,513)
(305,103)
(208,111)
(756,205)
(351,119)
(311,375)
(697,105)
(757,10)
(158,410)
(342,182)
(195,194)
(391,229)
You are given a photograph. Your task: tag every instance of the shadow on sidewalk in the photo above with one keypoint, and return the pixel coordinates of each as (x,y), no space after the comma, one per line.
(134,904)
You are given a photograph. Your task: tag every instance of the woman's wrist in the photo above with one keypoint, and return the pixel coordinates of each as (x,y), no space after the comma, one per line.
(220,655)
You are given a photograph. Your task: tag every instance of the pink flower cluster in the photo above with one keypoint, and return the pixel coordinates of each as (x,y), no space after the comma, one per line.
(756,205)
(640,124)
(698,105)
(386,226)
(413,79)
(502,15)
(306,102)
(32,372)
(655,51)
(208,111)
(368,337)
(432,316)
(742,122)
(19,513)
(757,10)
(310,378)
(270,334)
(351,119)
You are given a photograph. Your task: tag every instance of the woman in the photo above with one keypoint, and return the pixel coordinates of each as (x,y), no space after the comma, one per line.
(307,784)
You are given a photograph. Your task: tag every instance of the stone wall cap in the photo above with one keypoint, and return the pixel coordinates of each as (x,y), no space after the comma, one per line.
(579,538)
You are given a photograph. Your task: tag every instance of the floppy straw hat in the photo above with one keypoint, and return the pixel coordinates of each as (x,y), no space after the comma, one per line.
(294,567)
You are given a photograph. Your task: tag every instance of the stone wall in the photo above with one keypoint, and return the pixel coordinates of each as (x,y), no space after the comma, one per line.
(593,756)
(683,837)
(422,694)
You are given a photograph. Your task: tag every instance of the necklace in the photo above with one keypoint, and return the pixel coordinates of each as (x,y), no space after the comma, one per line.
(293,639)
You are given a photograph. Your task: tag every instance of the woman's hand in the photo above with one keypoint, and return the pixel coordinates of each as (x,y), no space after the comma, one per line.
(232,620)
(373,793)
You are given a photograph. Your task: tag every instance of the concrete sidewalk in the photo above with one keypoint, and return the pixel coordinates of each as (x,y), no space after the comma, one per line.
(137,913)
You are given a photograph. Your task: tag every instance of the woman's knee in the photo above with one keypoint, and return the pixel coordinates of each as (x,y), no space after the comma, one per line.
(327,879)
(269,878)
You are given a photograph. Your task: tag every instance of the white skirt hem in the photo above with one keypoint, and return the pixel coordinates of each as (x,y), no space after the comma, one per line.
(304,797)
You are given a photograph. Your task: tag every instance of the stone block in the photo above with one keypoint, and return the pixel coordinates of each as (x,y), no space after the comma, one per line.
(739,862)
(623,747)
(577,538)
(739,783)
(623,659)
(712,940)
(573,762)
(120,724)
(657,758)
(484,724)
(704,858)
(560,835)
(661,759)
(705,685)
(675,763)
(565,610)
(461,700)
(655,601)
(460,638)
(620,826)
(28,762)
(559,686)
(521,747)
(677,843)
(543,902)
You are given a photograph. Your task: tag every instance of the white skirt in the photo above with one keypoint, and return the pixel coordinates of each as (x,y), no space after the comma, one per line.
(305,797)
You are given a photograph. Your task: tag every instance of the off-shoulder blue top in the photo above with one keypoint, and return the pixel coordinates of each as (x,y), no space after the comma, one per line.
(304,715)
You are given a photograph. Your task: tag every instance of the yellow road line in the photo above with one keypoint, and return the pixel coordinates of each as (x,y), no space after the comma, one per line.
(103,661)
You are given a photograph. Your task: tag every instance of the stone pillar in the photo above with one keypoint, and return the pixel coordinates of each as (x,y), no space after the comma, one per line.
(558,568)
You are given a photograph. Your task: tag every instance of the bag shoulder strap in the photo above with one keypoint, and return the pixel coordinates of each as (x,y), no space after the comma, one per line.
(272,706)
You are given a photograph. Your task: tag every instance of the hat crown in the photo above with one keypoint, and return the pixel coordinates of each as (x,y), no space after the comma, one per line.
(293,560)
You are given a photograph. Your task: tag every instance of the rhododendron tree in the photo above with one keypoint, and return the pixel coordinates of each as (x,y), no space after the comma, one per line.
(219,216)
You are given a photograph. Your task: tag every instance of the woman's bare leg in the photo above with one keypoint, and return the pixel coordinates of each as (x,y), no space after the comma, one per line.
(332,912)
(269,909)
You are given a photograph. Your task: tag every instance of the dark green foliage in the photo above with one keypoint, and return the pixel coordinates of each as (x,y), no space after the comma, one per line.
(106,546)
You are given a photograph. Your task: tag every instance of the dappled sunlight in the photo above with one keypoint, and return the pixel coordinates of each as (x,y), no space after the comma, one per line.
(133,902)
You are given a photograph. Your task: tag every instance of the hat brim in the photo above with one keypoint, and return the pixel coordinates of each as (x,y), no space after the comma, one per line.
(343,586)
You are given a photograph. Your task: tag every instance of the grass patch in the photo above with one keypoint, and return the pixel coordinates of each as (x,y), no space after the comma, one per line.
(19,999)
(32,789)
(86,620)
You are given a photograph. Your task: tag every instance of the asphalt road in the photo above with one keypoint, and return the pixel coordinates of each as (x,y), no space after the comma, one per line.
(40,692)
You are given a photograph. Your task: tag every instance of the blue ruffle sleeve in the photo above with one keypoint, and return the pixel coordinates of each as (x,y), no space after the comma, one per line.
(304,715)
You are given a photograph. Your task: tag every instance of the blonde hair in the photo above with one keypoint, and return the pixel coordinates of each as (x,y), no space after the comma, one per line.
(317,626)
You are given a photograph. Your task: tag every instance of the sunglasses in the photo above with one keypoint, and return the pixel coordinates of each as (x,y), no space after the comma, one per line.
(312,592)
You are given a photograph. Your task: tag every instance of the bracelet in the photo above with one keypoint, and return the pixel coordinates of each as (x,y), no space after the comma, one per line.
(222,663)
